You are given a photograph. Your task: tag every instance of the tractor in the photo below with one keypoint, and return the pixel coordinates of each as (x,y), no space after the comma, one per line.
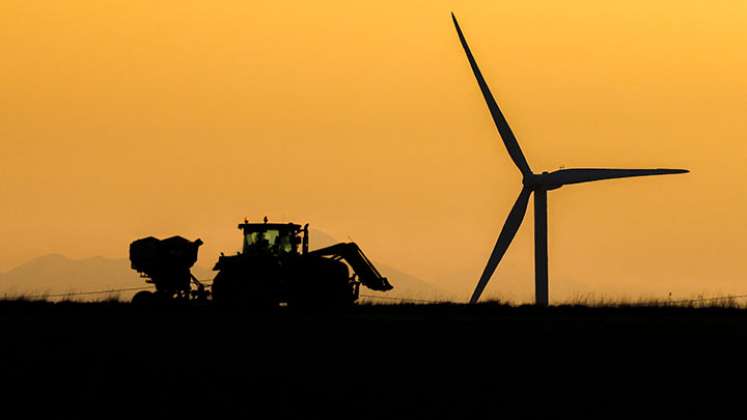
(275,267)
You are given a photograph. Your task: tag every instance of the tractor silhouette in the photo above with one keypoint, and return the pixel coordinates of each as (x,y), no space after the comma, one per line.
(275,267)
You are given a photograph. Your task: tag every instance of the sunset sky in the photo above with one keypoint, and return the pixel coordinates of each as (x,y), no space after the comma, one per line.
(123,119)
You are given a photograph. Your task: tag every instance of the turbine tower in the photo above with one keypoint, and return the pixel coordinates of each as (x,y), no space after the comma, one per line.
(539,184)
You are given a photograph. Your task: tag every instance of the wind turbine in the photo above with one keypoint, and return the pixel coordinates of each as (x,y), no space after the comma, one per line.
(539,184)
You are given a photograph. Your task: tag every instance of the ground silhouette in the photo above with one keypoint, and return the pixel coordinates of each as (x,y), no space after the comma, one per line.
(381,361)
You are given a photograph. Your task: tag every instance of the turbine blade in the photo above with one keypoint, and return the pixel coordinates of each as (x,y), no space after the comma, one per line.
(509,140)
(575,176)
(513,221)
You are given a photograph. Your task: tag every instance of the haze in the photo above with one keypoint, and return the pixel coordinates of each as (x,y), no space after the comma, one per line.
(123,119)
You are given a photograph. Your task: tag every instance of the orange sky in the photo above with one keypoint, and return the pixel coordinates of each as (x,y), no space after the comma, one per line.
(122,119)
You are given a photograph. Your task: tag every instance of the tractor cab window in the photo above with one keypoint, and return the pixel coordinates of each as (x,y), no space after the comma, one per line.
(274,241)
(284,243)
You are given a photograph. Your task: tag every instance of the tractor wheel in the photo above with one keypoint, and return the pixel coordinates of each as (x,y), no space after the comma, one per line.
(143,298)
(218,288)
(321,284)
(232,289)
(326,296)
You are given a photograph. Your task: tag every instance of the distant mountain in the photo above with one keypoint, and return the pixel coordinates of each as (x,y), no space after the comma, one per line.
(56,274)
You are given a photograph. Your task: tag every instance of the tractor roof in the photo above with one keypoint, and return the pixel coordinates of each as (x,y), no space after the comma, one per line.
(256,227)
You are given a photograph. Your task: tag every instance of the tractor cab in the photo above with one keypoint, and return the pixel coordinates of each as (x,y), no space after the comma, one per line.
(274,238)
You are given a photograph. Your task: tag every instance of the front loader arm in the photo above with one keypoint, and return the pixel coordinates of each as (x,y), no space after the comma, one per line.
(368,275)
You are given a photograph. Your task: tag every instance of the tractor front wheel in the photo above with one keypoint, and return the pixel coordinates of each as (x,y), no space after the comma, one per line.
(143,297)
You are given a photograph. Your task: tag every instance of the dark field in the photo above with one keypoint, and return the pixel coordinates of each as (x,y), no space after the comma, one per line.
(106,360)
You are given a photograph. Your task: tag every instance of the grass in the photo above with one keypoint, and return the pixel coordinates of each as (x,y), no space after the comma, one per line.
(587,301)
(731,302)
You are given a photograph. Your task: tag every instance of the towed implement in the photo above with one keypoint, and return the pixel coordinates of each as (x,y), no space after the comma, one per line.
(166,264)
(275,267)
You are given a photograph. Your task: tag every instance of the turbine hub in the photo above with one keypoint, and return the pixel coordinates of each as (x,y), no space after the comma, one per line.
(540,181)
